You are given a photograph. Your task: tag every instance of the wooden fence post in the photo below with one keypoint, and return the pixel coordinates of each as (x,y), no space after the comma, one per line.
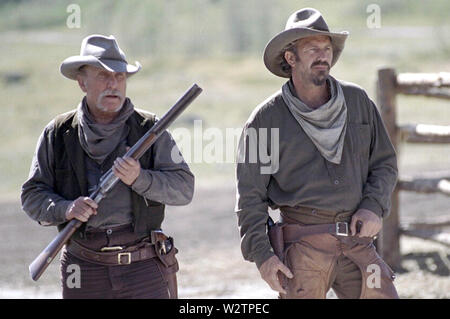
(388,243)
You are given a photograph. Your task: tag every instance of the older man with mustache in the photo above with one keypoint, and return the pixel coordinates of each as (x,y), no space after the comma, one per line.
(119,247)
(337,169)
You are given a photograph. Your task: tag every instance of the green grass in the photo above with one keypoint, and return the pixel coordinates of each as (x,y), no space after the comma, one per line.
(233,82)
(185,42)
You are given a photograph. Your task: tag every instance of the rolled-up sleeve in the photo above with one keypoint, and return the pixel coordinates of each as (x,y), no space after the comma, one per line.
(170,180)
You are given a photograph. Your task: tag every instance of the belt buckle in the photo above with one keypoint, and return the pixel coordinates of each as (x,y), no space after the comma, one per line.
(340,231)
(119,258)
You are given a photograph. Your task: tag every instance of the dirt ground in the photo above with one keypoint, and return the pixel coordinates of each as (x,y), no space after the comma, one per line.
(211,265)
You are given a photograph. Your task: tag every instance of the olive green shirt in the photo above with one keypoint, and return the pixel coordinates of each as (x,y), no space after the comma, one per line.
(296,174)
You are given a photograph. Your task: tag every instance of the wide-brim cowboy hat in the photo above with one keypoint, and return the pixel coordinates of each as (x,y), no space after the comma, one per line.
(303,23)
(100,51)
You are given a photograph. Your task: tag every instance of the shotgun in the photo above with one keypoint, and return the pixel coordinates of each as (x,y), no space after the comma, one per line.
(109,180)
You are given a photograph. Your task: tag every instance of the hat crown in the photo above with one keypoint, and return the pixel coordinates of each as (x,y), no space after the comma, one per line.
(307,18)
(102,47)
(99,51)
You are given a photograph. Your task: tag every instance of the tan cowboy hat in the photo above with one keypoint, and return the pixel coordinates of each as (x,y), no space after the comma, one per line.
(303,23)
(100,51)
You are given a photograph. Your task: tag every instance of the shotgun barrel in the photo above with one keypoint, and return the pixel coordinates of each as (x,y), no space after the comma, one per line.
(109,180)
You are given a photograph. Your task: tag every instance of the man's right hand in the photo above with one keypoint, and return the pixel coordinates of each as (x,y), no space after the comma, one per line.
(269,272)
(82,208)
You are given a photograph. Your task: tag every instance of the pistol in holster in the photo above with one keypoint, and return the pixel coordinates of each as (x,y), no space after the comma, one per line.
(168,264)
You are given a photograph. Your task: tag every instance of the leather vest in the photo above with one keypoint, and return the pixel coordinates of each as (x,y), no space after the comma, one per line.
(70,172)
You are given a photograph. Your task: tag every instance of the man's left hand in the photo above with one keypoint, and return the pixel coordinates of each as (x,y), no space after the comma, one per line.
(127,169)
(371,223)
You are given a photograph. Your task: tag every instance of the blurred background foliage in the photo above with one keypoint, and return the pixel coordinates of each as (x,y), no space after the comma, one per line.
(215,43)
(208,27)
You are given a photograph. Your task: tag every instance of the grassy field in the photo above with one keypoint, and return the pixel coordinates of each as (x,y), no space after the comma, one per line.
(233,86)
(233,83)
(198,43)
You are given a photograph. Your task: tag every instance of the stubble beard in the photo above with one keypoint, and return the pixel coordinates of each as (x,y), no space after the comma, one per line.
(319,79)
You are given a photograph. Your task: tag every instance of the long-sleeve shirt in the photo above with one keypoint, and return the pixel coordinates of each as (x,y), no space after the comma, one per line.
(295,173)
(168,182)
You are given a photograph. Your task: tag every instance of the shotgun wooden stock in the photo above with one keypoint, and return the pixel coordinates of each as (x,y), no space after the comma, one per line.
(108,180)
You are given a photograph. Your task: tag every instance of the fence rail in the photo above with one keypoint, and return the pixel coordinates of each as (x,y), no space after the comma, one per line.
(422,185)
(425,133)
(408,80)
(435,85)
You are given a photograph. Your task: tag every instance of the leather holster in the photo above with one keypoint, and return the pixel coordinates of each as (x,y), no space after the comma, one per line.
(168,265)
(276,238)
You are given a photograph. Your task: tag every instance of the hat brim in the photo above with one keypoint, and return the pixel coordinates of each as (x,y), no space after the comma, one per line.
(272,52)
(70,67)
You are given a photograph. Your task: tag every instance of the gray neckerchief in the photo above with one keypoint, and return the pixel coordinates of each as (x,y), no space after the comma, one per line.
(99,140)
(326,125)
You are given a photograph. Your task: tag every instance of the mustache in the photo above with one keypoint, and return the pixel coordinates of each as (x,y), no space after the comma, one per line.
(111,92)
(321,63)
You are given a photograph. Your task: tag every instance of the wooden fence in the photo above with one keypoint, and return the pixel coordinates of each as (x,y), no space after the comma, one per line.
(390,84)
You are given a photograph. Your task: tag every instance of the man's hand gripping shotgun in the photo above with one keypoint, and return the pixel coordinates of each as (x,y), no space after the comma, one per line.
(109,180)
